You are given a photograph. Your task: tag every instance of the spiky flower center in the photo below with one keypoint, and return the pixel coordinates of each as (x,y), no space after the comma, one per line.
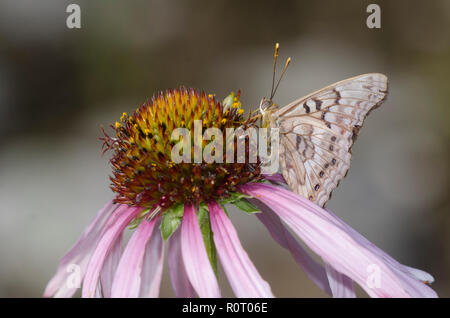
(144,173)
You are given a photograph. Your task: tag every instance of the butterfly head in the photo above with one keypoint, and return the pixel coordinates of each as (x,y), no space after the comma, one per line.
(264,105)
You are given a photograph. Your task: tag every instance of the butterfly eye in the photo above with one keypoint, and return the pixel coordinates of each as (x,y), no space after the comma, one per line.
(264,104)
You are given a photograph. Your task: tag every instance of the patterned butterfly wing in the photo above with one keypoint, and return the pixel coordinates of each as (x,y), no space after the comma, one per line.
(318,131)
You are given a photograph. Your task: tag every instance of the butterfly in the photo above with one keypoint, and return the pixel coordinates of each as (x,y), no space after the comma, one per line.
(317,131)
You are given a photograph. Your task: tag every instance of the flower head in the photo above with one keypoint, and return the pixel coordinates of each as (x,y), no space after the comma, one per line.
(183,204)
(144,173)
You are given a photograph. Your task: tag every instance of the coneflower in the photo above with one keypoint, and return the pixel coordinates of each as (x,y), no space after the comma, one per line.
(183,205)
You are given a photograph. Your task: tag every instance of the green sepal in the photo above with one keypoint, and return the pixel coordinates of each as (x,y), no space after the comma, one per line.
(233,197)
(246,206)
(205,227)
(224,208)
(240,201)
(135,223)
(171,220)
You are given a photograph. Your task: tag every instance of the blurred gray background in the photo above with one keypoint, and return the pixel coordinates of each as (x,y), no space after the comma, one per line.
(59,85)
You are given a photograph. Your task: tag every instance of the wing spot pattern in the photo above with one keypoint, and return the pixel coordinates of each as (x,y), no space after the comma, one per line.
(318,103)
(299,141)
(321,129)
(306,107)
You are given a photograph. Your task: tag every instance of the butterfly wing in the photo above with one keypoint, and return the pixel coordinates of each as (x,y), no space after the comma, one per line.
(318,131)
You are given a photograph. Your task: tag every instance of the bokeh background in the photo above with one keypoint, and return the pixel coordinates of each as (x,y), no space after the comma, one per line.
(59,85)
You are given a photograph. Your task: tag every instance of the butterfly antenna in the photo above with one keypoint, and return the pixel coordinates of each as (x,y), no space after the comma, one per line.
(275,57)
(282,74)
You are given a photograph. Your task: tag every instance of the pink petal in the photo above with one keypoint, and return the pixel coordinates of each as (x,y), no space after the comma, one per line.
(242,274)
(420,275)
(341,286)
(196,261)
(110,267)
(276,177)
(152,265)
(79,254)
(282,236)
(98,291)
(329,280)
(180,281)
(127,281)
(338,245)
(119,221)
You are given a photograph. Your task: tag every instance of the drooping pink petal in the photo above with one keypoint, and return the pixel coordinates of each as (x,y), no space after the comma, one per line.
(79,254)
(110,267)
(339,246)
(178,276)
(119,221)
(152,265)
(415,287)
(196,262)
(341,286)
(420,275)
(98,291)
(127,281)
(242,274)
(282,236)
